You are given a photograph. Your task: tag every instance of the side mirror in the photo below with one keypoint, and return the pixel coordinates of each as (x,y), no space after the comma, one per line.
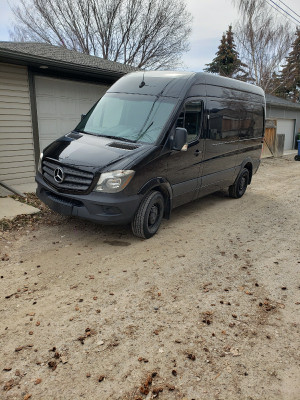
(82,116)
(180,140)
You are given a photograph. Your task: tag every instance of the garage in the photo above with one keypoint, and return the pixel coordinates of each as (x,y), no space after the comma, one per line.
(286,115)
(286,127)
(60,104)
(44,90)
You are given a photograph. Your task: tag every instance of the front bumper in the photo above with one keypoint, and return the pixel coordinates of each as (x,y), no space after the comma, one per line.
(105,208)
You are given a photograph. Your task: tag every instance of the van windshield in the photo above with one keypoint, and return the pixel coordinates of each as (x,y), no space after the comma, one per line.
(132,117)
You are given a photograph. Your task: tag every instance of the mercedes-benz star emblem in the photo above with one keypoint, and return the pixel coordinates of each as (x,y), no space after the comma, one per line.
(59,175)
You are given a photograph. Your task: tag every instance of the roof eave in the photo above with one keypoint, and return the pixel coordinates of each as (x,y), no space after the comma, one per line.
(286,106)
(37,61)
(272,101)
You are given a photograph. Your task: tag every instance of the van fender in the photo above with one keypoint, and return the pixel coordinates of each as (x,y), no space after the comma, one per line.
(247,163)
(163,186)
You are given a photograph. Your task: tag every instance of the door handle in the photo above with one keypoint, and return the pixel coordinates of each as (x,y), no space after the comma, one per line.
(197,152)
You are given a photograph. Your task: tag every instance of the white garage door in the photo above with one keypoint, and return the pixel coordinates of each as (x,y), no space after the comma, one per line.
(287,127)
(60,104)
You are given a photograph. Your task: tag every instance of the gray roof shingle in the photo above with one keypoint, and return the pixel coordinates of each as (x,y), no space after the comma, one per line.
(45,52)
(279,102)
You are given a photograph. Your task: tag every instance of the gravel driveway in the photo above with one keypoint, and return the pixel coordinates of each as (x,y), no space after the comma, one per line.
(206,309)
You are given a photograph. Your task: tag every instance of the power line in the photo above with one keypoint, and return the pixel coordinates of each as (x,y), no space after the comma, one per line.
(276,9)
(289,8)
(298,22)
(277,5)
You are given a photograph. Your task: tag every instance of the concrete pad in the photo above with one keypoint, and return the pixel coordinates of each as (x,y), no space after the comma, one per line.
(290,152)
(28,187)
(10,208)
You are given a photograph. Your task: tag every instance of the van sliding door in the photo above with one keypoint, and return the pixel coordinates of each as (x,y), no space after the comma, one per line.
(221,143)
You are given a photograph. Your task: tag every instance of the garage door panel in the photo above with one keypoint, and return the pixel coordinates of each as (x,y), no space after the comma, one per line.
(46,106)
(44,86)
(68,125)
(287,127)
(83,107)
(67,107)
(60,104)
(48,125)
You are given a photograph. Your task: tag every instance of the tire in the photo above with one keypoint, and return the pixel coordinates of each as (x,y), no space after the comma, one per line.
(238,189)
(147,219)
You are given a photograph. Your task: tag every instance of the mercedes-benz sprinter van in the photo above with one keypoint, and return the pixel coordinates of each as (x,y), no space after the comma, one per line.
(155,141)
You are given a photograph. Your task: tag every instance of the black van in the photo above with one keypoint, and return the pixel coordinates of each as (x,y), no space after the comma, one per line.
(155,141)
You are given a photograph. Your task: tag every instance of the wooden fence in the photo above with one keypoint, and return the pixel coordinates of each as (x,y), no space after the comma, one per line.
(269,146)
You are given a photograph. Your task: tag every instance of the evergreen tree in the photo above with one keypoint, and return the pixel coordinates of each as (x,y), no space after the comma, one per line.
(290,75)
(227,62)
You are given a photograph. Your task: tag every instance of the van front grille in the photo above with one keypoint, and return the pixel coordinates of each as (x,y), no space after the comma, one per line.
(66,178)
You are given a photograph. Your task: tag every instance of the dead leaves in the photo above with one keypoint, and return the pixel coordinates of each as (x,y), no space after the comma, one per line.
(9,385)
(45,216)
(27,346)
(142,359)
(207,287)
(52,364)
(57,358)
(191,356)
(88,333)
(207,317)
(5,257)
(21,291)
(267,305)
(145,388)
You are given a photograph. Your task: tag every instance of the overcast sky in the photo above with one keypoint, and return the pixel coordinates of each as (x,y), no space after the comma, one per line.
(211,19)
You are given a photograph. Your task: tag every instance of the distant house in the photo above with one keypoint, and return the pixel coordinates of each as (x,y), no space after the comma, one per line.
(287,117)
(44,89)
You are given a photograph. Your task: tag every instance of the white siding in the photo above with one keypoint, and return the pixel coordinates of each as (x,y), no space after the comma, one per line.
(16,139)
(60,103)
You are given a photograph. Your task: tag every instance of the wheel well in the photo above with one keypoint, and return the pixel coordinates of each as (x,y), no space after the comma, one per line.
(166,196)
(249,167)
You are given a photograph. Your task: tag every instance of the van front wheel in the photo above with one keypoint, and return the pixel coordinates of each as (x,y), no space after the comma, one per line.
(238,189)
(149,215)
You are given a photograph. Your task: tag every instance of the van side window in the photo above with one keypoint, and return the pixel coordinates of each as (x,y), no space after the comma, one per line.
(252,122)
(224,121)
(247,124)
(258,117)
(190,119)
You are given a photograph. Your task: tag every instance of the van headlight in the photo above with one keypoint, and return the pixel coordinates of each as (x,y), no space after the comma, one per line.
(40,163)
(114,181)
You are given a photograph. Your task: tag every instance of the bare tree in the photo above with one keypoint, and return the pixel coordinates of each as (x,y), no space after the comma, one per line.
(263,40)
(142,33)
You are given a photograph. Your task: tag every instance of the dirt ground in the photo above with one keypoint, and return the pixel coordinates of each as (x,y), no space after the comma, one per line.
(206,309)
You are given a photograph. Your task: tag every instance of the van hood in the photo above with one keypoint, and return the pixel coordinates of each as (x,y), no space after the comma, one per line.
(95,152)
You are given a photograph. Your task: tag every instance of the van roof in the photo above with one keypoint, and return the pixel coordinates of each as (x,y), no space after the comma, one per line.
(175,83)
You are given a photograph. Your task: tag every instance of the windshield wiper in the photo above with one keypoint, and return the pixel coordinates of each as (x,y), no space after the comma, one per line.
(88,133)
(117,138)
(107,136)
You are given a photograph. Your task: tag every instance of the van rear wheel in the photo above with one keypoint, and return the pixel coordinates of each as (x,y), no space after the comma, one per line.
(147,219)
(238,189)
